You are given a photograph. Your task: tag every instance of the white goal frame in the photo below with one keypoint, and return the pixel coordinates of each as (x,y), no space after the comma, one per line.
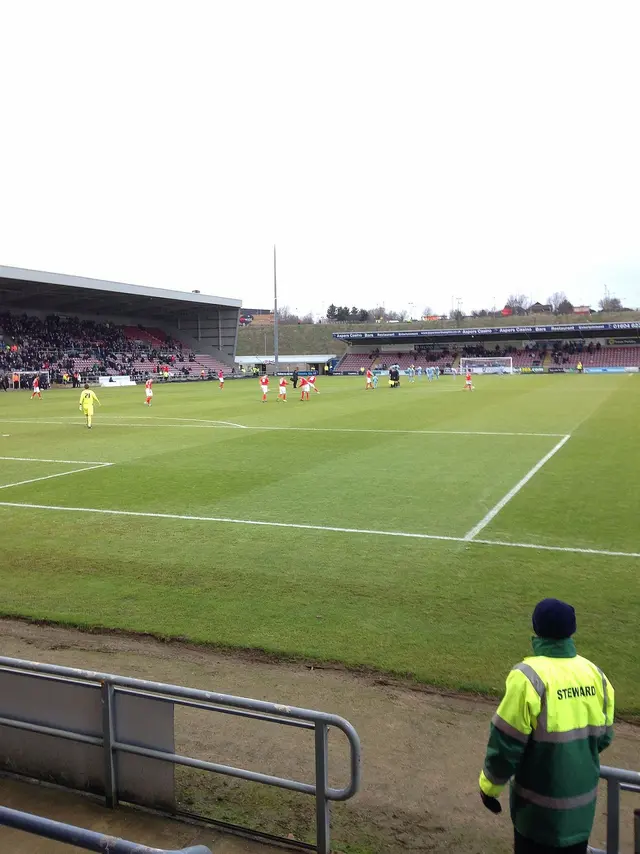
(491,365)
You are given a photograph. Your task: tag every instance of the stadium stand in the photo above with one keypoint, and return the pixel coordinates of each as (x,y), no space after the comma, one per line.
(152,337)
(405,360)
(569,353)
(521,357)
(62,345)
(564,354)
(68,344)
(355,361)
(607,357)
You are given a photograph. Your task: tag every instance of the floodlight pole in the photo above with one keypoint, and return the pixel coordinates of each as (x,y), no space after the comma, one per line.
(275,313)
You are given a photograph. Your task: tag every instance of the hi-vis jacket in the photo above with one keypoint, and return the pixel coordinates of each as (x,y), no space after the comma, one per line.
(555,719)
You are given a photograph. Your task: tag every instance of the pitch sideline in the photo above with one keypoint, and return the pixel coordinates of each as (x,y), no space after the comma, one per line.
(223,425)
(299,526)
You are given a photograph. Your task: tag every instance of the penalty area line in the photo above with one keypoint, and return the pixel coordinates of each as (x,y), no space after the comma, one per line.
(410,432)
(332,529)
(72,422)
(482,524)
(230,521)
(572,549)
(206,421)
(51,476)
(63,462)
(202,423)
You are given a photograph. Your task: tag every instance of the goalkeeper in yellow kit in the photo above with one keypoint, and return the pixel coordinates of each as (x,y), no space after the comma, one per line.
(87,398)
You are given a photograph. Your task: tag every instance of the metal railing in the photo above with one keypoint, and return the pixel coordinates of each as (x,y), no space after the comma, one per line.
(112,685)
(89,840)
(618,779)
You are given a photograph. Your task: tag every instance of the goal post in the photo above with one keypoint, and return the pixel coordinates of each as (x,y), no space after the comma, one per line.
(491,365)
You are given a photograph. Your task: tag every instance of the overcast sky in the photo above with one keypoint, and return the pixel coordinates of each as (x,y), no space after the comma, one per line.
(405,153)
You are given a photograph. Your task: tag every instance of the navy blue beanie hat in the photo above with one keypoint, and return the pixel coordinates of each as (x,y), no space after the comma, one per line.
(554,619)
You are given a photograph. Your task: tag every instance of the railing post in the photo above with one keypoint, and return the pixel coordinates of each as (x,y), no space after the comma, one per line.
(110,780)
(636,831)
(323,814)
(613,816)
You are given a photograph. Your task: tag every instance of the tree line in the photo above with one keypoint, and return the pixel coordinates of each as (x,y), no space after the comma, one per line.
(558,303)
(362,315)
(342,313)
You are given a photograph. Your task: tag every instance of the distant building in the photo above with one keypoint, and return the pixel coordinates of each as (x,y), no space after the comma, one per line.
(581,309)
(256,316)
(540,308)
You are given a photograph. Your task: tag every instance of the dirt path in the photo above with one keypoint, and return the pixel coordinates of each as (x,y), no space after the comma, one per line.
(421,752)
(124,823)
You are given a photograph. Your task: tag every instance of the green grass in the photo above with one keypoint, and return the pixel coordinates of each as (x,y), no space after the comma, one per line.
(452,613)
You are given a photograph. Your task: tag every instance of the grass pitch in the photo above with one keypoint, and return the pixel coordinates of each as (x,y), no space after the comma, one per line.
(358,488)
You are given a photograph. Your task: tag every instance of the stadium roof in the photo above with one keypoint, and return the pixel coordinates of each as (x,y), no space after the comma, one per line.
(494,333)
(31,290)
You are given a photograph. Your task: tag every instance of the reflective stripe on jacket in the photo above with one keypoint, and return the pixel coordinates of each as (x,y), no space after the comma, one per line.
(553,722)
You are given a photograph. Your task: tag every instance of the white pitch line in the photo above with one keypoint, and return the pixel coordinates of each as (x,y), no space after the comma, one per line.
(229,521)
(470,535)
(412,432)
(572,549)
(223,425)
(66,462)
(71,423)
(226,423)
(322,528)
(50,476)
(207,421)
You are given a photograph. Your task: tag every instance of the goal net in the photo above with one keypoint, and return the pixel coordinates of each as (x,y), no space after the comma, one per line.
(495,365)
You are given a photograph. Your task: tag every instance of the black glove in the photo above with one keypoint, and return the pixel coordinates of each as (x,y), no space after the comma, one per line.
(492,804)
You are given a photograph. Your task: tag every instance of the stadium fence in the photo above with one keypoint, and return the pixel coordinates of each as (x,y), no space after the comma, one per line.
(618,780)
(80,837)
(119,738)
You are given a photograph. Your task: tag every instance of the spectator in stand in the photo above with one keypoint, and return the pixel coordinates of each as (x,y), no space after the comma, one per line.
(54,344)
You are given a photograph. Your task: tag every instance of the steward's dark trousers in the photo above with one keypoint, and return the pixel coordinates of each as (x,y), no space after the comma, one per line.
(522,845)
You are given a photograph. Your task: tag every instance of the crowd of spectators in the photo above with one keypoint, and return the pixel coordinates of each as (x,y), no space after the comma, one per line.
(534,352)
(51,343)
(559,352)
(56,343)
(562,350)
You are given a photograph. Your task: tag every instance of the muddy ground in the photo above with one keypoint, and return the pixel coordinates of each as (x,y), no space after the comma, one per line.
(421,751)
